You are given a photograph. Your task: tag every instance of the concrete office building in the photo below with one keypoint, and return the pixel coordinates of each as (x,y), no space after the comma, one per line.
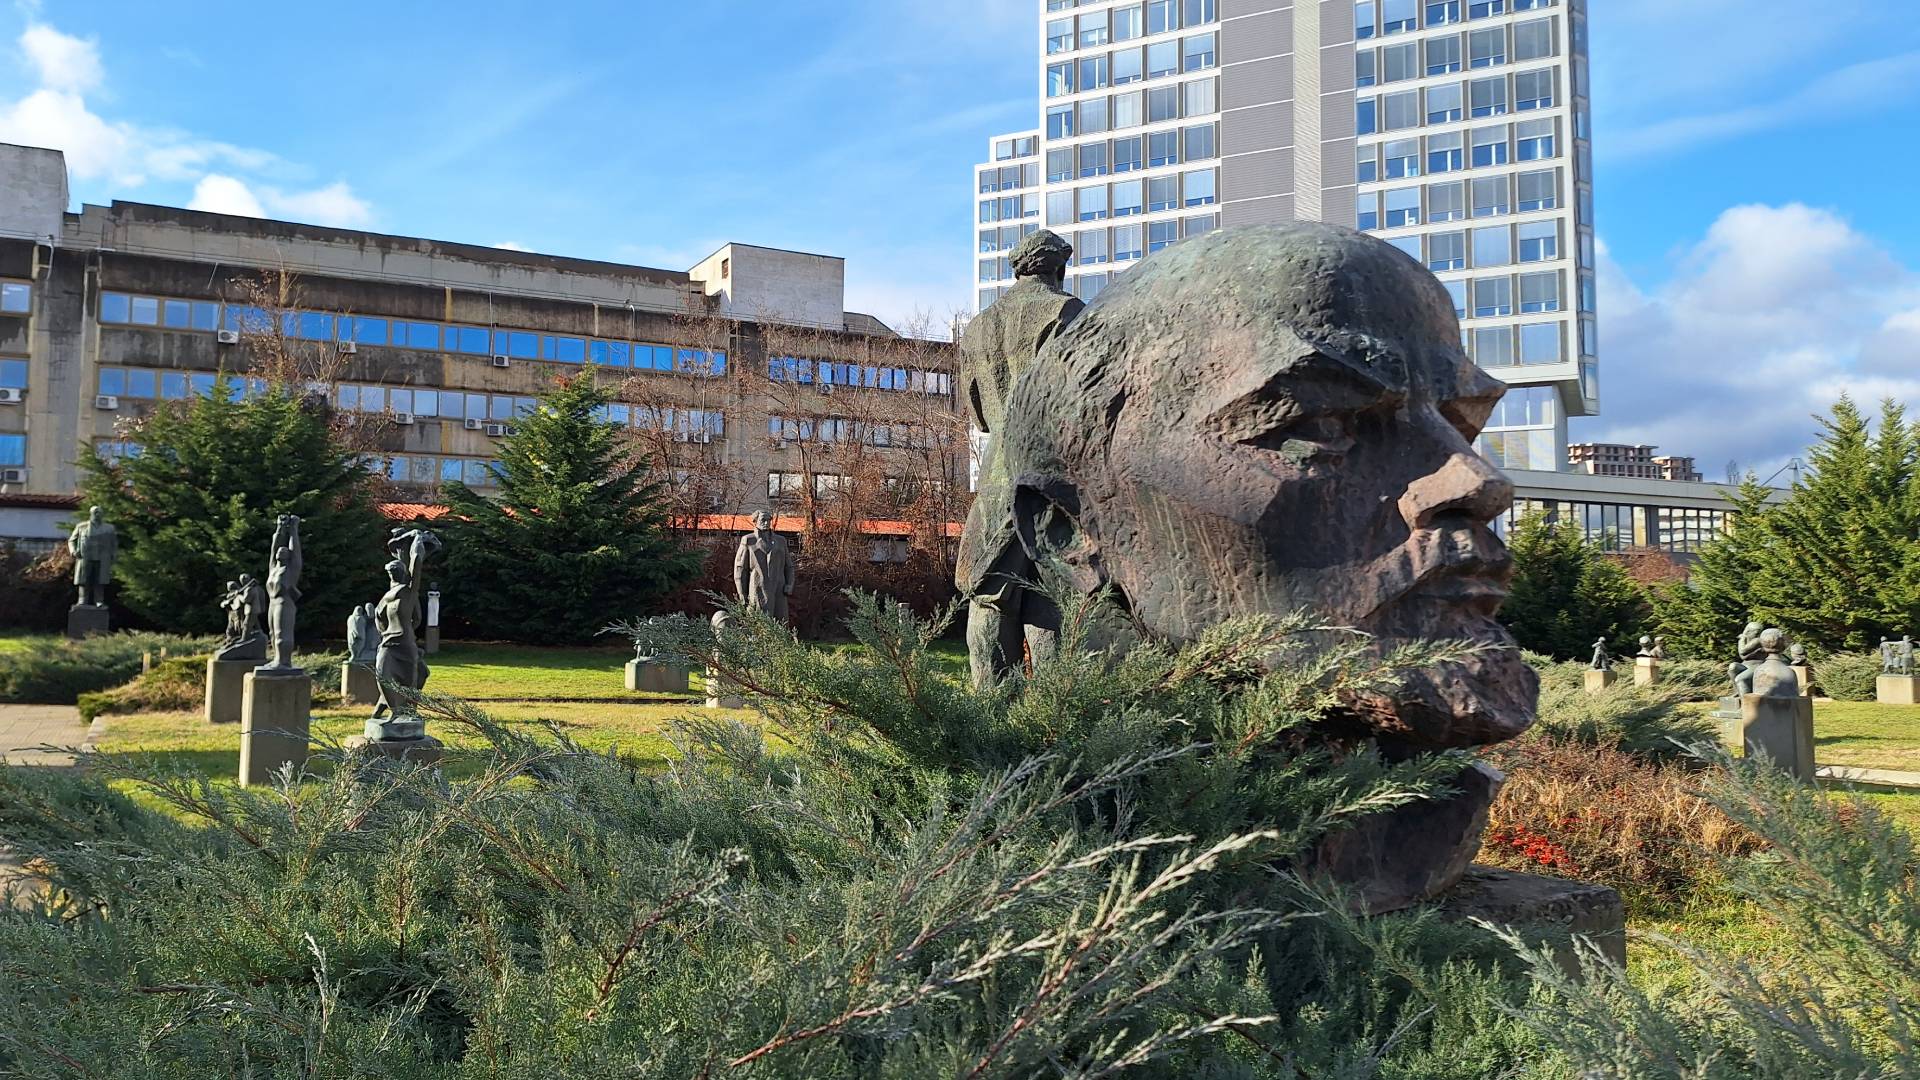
(747,369)
(1458,130)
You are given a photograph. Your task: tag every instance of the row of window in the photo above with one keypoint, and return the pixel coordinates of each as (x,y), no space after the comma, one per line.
(1009,177)
(1006,237)
(809,372)
(16,298)
(1526,406)
(1527,345)
(425,471)
(788,487)
(1123,67)
(1494,245)
(1132,153)
(1379,17)
(1614,526)
(1010,208)
(1134,108)
(149,384)
(1491,47)
(1017,147)
(1126,198)
(1499,95)
(1458,200)
(840,429)
(1526,448)
(201,315)
(1125,242)
(1133,21)
(1455,151)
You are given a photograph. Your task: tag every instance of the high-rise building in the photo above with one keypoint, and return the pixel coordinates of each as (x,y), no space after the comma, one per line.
(1458,130)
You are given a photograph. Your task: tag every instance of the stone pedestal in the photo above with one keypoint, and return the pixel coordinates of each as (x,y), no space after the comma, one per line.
(1401,857)
(655,677)
(359,685)
(227,690)
(1542,907)
(1646,671)
(430,641)
(1805,675)
(425,750)
(720,696)
(276,715)
(1897,690)
(1783,728)
(1598,681)
(86,620)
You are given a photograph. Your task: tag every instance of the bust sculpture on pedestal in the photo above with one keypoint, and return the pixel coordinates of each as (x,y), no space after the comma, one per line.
(763,570)
(1268,419)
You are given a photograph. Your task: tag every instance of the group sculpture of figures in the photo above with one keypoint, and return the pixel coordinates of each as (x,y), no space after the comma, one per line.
(1896,657)
(245,604)
(283,598)
(94,545)
(1763,668)
(763,570)
(1652,648)
(396,618)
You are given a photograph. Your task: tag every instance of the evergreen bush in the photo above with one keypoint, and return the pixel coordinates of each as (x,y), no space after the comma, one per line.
(1847,676)
(53,671)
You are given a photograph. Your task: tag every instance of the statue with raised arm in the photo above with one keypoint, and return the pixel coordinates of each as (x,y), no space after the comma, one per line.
(94,545)
(997,348)
(283,597)
(763,570)
(396,617)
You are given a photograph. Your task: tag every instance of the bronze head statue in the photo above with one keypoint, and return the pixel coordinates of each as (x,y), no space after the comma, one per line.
(1275,418)
(1044,255)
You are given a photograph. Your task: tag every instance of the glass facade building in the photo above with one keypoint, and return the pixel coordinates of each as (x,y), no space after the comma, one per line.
(1457,130)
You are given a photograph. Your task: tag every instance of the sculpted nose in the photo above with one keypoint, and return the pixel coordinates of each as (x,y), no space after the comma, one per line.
(1466,484)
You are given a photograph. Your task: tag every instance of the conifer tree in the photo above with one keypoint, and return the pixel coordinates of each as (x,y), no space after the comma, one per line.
(196,506)
(1567,592)
(1701,617)
(577,536)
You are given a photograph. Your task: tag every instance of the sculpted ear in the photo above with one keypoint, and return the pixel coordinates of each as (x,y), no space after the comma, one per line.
(1046,518)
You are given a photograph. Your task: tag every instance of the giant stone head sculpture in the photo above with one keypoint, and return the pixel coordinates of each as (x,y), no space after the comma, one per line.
(1275,418)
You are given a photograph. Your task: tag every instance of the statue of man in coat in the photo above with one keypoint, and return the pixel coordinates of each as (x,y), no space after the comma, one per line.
(763,569)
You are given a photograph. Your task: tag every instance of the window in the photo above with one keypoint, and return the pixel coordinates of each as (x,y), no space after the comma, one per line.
(142,383)
(1202,223)
(1162,234)
(1539,241)
(1443,104)
(1128,110)
(1492,297)
(1161,16)
(173,385)
(1093,30)
(1060,122)
(1202,96)
(1163,193)
(1093,116)
(520,346)
(1402,158)
(1196,12)
(1126,242)
(1487,48)
(116,308)
(1443,55)
(1401,110)
(1490,196)
(1090,247)
(1198,54)
(1199,186)
(13,450)
(1480,9)
(1488,97)
(1365,70)
(1094,73)
(1366,117)
(146,311)
(1533,40)
(1443,12)
(1458,291)
(1410,245)
(1399,63)
(1059,164)
(1403,207)
(1163,148)
(1093,159)
(1366,166)
(1364,20)
(1533,90)
(1163,59)
(1539,293)
(1588,294)
(470,340)
(1538,191)
(1128,154)
(1128,23)
(1093,202)
(1444,153)
(1128,67)
(1129,198)
(1059,40)
(1059,207)
(1540,344)
(176,314)
(1492,247)
(1533,140)
(1493,347)
(1447,251)
(364,331)
(1367,212)
(1489,146)
(1198,141)
(1446,202)
(13,375)
(1060,79)
(1525,406)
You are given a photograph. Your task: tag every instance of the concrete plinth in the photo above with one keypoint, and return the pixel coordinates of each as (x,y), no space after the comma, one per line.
(1783,728)
(1646,671)
(1598,681)
(1542,908)
(359,685)
(425,750)
(86,620)
(1897,690)
(1805,675)
(276,715)
(655,677)
(227,690)
(430,641)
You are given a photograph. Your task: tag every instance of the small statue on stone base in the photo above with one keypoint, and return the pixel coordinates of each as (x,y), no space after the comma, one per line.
(363,642)
(1601,659)
(245,604)
(1896,657)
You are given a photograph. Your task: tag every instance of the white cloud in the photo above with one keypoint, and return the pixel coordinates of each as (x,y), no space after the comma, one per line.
(511,245)
(218,194)
(63,62)
(1765,322)
(335,204)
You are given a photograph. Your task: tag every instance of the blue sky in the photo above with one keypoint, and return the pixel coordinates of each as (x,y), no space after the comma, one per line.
(1751,159)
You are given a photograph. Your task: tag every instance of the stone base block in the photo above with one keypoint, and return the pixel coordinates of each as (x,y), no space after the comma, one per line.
(726,701)
(86,620)
(1805,675)
(425,750)
(359,685)
(1542,908)
(654,677)
(1783,728)
(430,641)
(227,690)
(276,717)
(1598,681)
(1897,690)
(1399,858)
(1646,671)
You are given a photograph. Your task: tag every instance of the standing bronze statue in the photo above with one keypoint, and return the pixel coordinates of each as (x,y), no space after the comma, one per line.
(283,596)
(997,348)
(94,544)
(763,570)
(399,661)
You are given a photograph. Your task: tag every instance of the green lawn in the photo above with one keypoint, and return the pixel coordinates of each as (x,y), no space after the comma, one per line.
(1866,735)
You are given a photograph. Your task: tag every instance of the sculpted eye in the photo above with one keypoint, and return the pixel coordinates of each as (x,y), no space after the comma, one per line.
(1306,439)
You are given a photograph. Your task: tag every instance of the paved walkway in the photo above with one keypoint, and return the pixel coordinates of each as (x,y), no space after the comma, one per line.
(1885,778)
(26,728)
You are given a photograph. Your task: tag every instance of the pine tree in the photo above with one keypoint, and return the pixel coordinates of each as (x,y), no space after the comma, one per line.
(1567,592)
(577,537)
(196,507)
(1702,617)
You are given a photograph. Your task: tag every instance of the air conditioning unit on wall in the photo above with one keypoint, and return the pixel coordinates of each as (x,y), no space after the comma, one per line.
(502,361)
(404,419)
(348,348)
(106,401)
(473,423)
(227,337)
(13,476)
(496,430)
(11,396)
